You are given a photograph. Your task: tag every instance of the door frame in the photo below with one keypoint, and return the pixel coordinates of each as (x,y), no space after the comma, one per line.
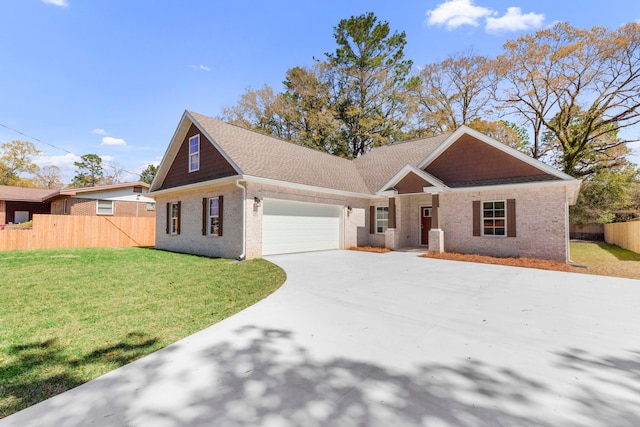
(420,223)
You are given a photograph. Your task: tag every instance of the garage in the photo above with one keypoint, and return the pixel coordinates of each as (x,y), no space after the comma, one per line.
(290,226)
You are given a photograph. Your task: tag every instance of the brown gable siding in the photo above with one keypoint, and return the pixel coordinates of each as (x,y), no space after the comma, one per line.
(411,183)
(471,160)
(212,164)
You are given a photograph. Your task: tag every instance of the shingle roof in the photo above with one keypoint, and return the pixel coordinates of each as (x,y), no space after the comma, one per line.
(267,157)
(24,194)
(379,165)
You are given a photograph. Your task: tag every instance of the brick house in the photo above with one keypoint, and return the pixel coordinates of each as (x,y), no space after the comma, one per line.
(125,200)
(229,192)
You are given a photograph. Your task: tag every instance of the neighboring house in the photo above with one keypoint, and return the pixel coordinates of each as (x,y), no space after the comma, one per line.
(123,200)
(226,191)
(18,204)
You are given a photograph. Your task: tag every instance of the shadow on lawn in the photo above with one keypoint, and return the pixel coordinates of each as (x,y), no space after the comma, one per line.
(620,253)
(44,369)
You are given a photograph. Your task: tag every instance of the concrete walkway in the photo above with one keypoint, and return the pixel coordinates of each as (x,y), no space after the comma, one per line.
(359,339)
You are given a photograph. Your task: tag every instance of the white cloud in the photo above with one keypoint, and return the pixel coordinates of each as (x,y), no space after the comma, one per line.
(200,67)
(514,20)
(63,162)
(455,13)
(99,131)
(111,141)
(59,3)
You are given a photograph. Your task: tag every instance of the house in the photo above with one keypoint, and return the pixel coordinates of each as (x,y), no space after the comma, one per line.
(124,200)
(18,204)
(225,191)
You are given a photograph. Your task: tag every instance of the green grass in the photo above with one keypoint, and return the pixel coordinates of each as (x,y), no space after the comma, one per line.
(68,316)
(606,260)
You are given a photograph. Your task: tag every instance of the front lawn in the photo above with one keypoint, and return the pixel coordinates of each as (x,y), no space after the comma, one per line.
(68,316)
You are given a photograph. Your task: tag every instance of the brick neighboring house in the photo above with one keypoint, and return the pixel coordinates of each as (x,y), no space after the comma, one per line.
(229,192)
(18,204)
(123,200)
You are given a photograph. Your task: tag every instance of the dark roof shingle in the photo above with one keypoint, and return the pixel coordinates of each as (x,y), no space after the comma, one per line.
(264,156)
(24,194)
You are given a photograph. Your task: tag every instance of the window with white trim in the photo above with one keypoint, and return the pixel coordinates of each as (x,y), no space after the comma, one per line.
(382,219)
(65,206)
(494,218)
(194,153)
(105,207)
(174,217)
(213,214)
(151,206)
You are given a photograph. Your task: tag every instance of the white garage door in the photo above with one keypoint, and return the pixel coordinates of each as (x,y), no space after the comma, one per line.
(299,227)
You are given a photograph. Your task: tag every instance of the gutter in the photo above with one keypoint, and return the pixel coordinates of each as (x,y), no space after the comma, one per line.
(244,219)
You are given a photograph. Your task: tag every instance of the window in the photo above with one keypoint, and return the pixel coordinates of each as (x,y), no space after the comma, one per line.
(194,153)
(173,218)
(137,189)
(105,207)
(151,206)
(65,206)
(494,218)
(214,217)
(382,219)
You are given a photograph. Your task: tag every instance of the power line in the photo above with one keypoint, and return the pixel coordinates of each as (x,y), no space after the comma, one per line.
(115,168)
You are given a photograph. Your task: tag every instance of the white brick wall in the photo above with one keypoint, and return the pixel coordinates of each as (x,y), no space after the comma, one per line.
(540,223)
(190,240)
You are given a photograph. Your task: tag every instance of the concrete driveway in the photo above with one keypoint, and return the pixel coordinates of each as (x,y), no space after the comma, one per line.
(360,339)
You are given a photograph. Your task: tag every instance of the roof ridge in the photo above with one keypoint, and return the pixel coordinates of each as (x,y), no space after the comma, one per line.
(275,138)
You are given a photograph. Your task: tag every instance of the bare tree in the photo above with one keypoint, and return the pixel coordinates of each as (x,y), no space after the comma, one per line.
(579,85)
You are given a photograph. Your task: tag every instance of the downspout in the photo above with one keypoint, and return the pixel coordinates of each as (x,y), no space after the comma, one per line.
(244,219)
(567,233)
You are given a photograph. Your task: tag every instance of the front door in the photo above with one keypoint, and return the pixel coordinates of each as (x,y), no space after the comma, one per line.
(425,225)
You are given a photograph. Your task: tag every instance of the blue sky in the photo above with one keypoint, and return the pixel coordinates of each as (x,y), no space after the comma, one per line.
(112,77)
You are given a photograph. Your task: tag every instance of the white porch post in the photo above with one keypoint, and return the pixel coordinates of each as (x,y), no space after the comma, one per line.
(436,234)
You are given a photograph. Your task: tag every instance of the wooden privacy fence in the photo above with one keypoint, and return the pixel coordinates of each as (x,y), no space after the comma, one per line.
(68,231)
(586,231)
(624,234)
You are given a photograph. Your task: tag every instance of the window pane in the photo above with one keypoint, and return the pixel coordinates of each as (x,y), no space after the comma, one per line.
(488,231)
(499,205)
(105,207)
(195,162)
(487,205)
(213,207)
(499,231)
(214,226)
(499,214)
(194,145)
